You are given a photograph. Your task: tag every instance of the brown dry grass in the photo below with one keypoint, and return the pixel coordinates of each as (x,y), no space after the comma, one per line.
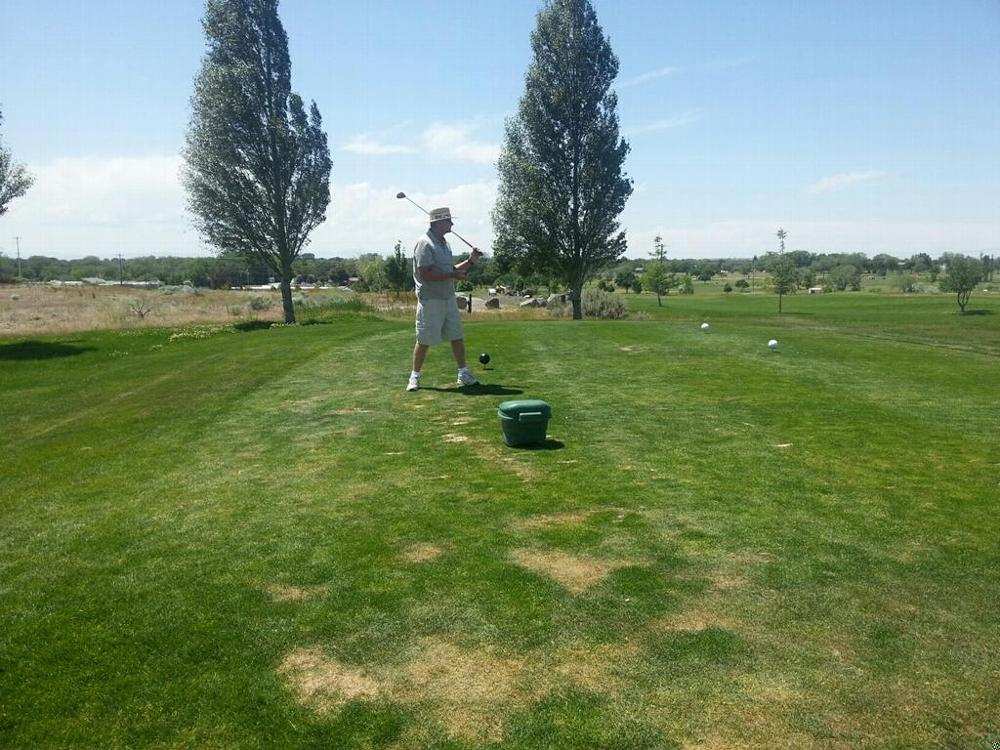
(468,690)
(547,520)
(45,310)
(574,573)
(284,593)
(39,309)
(322,683)
(471,692)
(419,553)
(405,305)
(567,518)
(695,620)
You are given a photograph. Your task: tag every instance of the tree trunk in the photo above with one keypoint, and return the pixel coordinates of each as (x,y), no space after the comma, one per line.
(286,296)
(575,296)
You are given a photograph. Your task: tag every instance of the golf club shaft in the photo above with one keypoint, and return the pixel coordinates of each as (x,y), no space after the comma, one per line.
(429,213)
(464,240)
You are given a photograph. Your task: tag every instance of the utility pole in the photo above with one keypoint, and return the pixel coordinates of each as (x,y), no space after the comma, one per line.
(18,241)
(121,271)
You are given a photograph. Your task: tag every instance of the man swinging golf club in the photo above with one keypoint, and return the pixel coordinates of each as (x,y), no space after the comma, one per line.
(438,318)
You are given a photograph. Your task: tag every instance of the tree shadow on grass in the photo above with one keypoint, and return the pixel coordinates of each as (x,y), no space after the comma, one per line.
(252,325)
(30,350)
(977,312)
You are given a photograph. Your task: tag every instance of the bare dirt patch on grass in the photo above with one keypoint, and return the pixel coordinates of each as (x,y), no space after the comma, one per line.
(574,573)
(548,520)
(725,581)
(419,553)
(569,518)
(284,593)
(470,691)
(322,683)
(694,620)
(595,668)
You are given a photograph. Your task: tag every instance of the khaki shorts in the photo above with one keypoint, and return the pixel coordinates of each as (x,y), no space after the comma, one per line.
(438,320)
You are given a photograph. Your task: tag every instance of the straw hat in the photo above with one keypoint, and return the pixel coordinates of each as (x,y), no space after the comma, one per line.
(441,214)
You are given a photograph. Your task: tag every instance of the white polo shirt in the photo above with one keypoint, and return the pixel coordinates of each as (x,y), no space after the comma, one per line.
(435,254)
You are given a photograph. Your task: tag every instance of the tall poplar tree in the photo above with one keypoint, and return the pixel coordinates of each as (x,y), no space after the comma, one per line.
(782,270)
(258,168)
(14,178)
(562,185)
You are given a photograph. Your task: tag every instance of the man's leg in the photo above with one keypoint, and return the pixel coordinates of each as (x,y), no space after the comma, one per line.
(465,377)
(458,349)
(419,354)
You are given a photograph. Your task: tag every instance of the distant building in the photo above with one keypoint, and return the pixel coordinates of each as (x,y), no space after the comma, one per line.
(155,284)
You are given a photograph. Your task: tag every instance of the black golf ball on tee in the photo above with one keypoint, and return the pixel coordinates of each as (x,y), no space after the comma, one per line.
(484,358)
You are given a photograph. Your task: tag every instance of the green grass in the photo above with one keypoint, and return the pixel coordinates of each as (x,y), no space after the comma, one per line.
(210,540)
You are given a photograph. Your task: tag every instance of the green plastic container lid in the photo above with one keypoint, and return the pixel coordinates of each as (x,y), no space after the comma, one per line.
(524,410)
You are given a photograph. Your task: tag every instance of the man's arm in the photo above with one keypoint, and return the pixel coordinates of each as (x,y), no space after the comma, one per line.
(427,274)
(461,270)
(466,264)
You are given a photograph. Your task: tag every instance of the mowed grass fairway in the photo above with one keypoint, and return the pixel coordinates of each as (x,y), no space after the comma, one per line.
(257,539)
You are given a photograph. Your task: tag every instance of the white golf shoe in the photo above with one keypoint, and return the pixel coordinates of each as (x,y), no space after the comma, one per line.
(414,383)
(466,378)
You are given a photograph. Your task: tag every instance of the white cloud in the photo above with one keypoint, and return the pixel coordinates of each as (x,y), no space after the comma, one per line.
(453,142)
(369,218)
(456,142)
(672,70)
(368,146)
(679,120)
(103,207)
(842,181)
(136,206)
(81,206)
(651,76)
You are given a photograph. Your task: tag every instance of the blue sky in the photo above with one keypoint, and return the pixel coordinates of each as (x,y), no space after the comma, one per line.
(857,126)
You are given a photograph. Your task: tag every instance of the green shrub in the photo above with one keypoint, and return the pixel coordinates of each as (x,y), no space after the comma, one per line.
(596,303)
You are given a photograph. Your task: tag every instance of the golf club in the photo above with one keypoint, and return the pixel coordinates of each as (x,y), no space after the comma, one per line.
(402,195)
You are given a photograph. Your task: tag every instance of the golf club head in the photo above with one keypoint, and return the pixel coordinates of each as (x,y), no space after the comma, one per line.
(401,195)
